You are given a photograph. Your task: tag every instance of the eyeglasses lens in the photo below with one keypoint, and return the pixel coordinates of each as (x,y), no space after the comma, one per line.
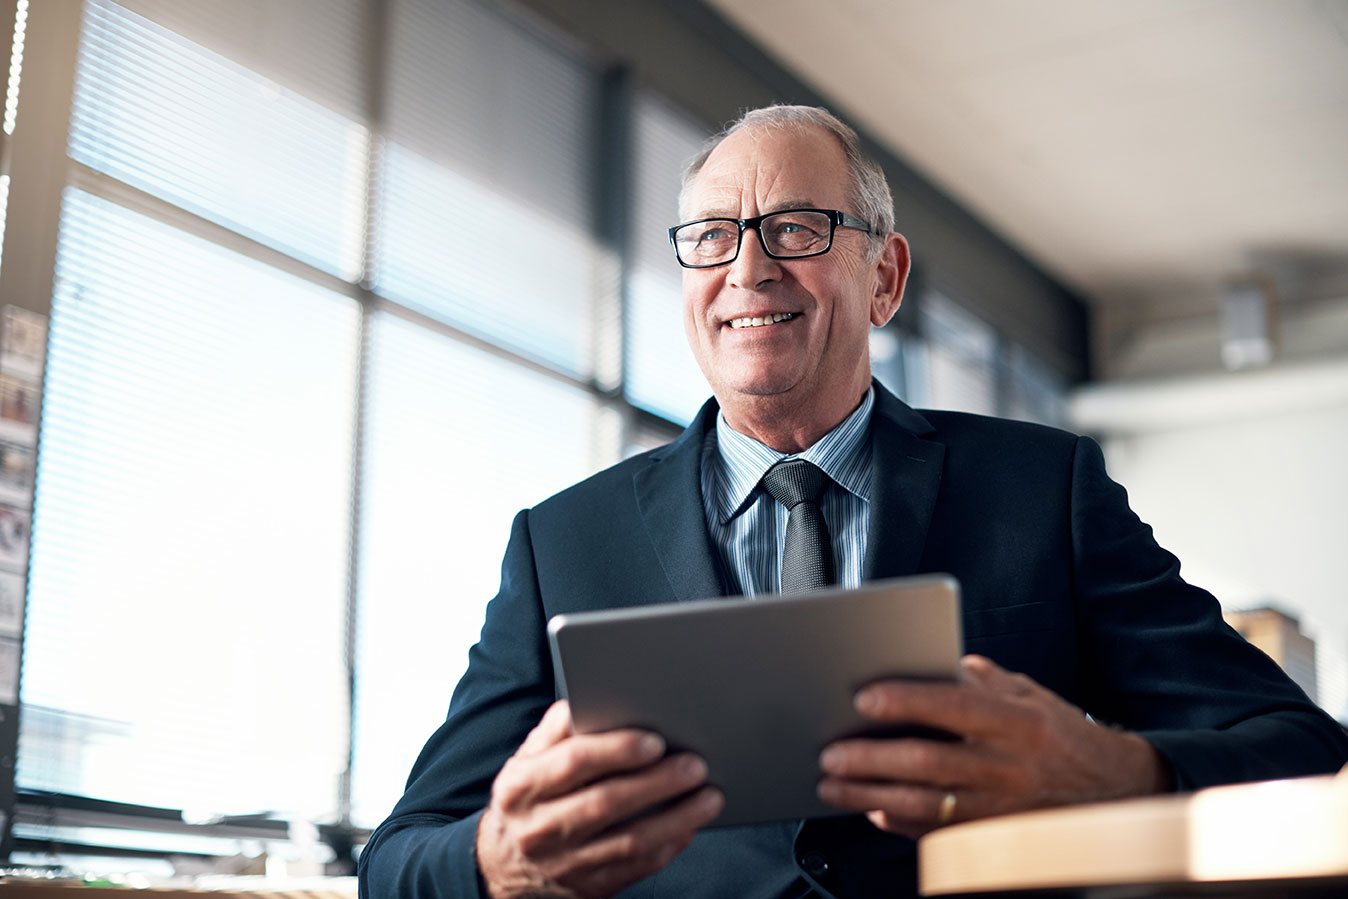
(783,233)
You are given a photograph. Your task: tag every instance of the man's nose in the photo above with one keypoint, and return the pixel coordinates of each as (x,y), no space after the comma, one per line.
(753,267)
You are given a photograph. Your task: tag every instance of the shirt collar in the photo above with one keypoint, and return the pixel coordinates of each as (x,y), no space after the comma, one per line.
(740,461)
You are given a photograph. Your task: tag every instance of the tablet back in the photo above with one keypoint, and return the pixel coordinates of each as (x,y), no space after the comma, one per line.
(757,686)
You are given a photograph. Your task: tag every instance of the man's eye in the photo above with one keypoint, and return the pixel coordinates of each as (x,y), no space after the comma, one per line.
(714,234)
(792,227)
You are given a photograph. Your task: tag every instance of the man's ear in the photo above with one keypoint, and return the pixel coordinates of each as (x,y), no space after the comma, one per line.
(891,276)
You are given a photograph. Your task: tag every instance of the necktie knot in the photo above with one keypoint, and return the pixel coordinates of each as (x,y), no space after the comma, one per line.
(795,481)
(807,554)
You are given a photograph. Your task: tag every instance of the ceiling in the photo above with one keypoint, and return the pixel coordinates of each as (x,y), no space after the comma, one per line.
(1135,149)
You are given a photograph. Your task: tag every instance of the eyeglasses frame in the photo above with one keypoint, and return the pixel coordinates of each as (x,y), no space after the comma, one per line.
(836,217)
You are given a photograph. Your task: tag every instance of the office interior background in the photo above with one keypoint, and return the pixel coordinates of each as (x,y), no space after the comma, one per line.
(318,272)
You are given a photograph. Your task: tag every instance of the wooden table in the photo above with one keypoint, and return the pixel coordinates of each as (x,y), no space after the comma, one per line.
(1275,838)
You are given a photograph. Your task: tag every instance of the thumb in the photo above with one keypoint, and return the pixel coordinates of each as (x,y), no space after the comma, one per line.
(554,727)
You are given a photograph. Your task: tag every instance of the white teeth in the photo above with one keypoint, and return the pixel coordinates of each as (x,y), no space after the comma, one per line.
(760,321)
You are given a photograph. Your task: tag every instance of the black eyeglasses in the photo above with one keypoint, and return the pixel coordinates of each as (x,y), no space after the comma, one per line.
(793,234)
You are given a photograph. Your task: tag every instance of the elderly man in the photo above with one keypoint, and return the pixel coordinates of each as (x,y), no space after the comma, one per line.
(789,258)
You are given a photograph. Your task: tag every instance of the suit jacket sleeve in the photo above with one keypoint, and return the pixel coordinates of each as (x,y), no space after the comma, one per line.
(426,847)
(1157,656)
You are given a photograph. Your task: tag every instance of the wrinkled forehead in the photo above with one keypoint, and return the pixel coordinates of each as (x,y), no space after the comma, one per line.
(758,170)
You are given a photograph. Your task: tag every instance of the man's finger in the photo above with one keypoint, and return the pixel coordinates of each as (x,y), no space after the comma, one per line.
(574,818)
(648,843)
(553,769)
(893,824)
(988,701)
(908,803)
(580,760)
(982,671)
(960,709)
(906,759)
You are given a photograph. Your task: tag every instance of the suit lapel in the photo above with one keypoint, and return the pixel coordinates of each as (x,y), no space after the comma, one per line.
(669,498)
(904,486)
(906,479)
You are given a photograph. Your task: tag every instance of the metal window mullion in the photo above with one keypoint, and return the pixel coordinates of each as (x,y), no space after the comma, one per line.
(376,70)
(107,187)
(614,198)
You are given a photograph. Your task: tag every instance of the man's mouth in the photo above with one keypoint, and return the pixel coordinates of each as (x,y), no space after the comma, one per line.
(759,321)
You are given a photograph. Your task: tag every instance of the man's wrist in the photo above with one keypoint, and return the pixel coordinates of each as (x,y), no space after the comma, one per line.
(483,884)
(1153,774)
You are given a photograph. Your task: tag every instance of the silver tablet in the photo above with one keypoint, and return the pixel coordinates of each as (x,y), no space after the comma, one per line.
(757,686)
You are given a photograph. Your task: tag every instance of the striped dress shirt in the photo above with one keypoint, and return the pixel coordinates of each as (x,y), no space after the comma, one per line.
(749,527)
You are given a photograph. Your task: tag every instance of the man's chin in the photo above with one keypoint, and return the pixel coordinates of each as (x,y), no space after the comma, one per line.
(757,390)
(759,384)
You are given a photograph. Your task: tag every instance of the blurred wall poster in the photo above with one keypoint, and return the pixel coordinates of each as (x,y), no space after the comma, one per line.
(23,346)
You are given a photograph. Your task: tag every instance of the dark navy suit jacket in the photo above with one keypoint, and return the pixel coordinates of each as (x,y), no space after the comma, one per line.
(1060,581)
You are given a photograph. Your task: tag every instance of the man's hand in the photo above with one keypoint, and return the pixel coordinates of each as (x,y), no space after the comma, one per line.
(1019,747)
(561,818)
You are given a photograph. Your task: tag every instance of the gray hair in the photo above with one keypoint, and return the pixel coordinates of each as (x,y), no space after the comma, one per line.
(870,196)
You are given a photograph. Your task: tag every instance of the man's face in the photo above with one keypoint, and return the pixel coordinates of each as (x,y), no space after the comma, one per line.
(818,357)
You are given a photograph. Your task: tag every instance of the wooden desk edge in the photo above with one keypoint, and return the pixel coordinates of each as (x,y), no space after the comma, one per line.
(1275,830)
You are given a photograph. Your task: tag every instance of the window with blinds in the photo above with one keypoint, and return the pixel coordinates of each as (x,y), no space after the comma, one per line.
(961,354)
(485,220)
(457,442)
(239,248)
(960,362)
(486,215)
(187,580)
(164,115)
(661,373)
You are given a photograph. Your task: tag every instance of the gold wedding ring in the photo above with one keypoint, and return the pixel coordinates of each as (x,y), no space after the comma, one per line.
(946,811)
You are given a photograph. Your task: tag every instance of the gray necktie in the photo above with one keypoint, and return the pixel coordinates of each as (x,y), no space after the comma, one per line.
(807,560)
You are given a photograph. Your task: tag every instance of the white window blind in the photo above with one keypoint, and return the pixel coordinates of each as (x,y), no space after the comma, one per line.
(186,613)
(192,532)
(486,204)
(165,115)
(317,49)
(188,584)
(485,222)
(458,442)
(662,375)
